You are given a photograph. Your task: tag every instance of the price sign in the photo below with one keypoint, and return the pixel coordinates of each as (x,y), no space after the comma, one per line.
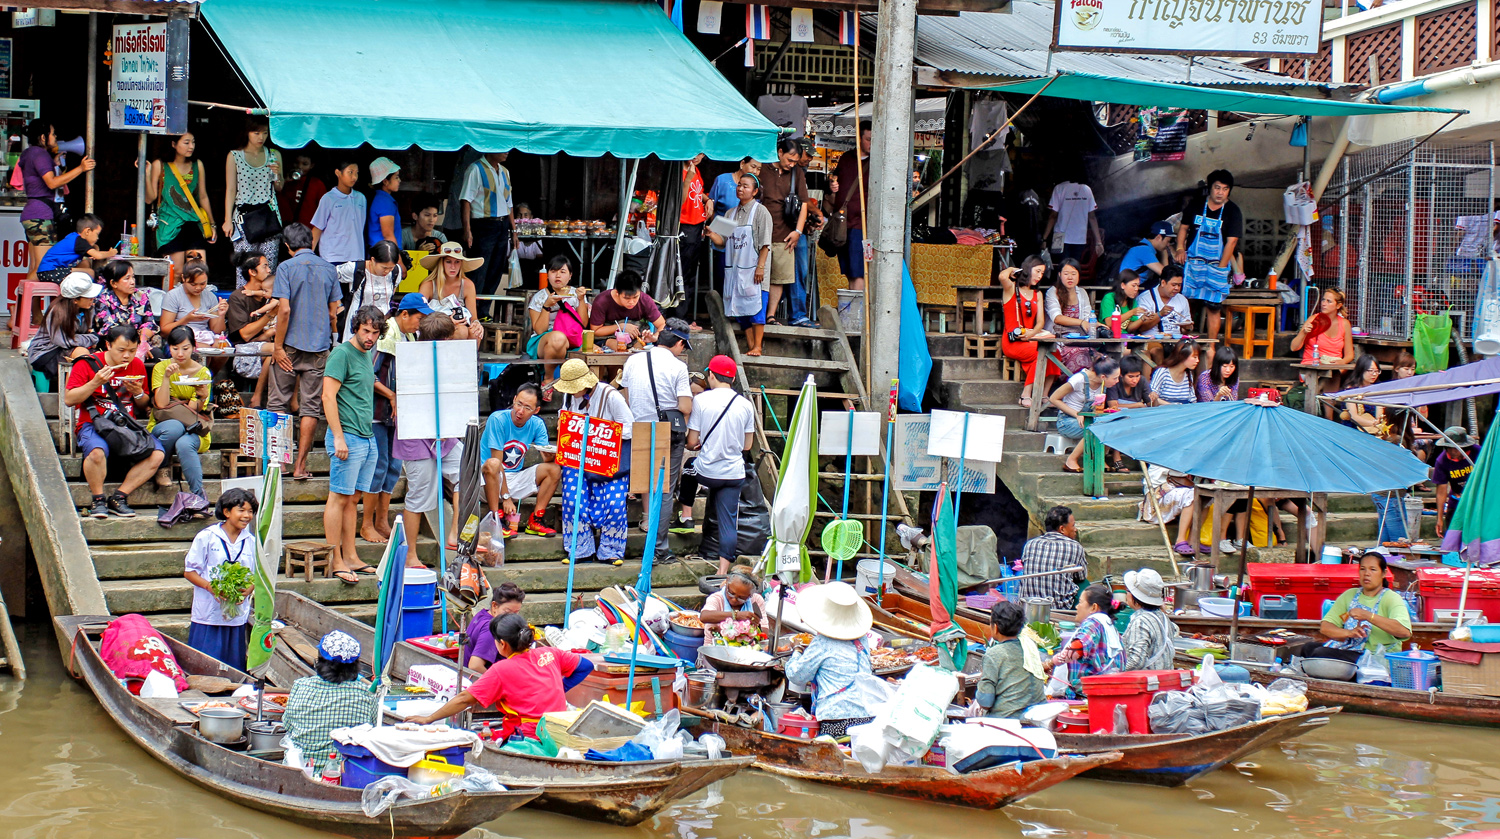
(603,455)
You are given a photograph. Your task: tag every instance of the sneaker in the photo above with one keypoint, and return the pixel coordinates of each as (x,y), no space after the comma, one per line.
(98,509)
(508,531)
(536,527)
(682,525)
(116,504)
(1228,547)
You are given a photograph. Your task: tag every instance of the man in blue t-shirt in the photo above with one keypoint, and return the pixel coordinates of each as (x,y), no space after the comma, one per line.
(1150,254)
(507,436)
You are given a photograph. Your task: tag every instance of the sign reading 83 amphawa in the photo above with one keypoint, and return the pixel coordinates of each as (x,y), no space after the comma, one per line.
(1197,27)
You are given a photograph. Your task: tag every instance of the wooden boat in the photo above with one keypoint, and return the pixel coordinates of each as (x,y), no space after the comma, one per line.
(614,793)
(163,728)
(823,763)
(1171,760)
(1416,705)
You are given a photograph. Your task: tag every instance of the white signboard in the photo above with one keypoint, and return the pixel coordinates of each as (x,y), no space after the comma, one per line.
(138,78)
(1197,27)
(436,382)
(833,434)
(969,436)
(912,468)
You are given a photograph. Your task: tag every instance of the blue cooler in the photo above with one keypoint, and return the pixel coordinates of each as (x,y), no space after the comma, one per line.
(362,767)
(1282,607)
(418,602)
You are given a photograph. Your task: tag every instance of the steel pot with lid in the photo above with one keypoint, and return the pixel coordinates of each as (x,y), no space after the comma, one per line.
(222,725)
(265,736)
(1038,610)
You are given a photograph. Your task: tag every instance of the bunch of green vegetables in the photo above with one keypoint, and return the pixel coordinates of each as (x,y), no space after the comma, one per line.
(1046,636)
(227,583)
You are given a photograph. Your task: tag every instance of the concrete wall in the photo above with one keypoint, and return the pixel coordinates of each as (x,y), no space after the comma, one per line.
(52,525)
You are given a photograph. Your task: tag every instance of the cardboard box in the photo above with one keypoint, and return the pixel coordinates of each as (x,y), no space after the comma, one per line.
(441,679)
(1482,679)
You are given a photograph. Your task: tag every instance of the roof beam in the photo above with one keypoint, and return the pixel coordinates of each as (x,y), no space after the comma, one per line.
(129,7)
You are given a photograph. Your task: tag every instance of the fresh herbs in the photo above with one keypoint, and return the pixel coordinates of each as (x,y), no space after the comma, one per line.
(227,584)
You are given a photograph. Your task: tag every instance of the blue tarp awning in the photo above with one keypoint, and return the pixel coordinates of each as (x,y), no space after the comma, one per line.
(585,77)
(1462,382)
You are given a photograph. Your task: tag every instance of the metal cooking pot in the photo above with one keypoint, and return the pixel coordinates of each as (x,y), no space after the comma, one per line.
(1201,575)
(222,725)
(702,690)
(1189,599)
(1038,610)
(265,736)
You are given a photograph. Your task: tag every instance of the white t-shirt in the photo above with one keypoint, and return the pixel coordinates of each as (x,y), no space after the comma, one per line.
(1073,203)
(212,548)
(575,297)
(721,458)
(605,403)
(1173,311)
(671,382)
(1080,392)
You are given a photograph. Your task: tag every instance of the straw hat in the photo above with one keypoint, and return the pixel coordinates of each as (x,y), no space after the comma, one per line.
(834,610)
(451,250)
(575,376)
(1145,586)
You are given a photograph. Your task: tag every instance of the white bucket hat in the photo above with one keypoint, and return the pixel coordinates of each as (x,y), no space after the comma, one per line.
(1145,585)
(834,610)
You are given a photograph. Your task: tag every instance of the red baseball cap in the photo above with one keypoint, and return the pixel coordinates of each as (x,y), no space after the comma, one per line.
(723,367)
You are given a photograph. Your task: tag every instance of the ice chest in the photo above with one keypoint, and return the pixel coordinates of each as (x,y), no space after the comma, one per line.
(1440,589)
(1311,584)
(362,767)
(652,689)
(1133,689)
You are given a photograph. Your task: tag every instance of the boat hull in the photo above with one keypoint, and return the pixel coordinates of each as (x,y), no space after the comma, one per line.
(823,763)
(265,786)
(1169,760)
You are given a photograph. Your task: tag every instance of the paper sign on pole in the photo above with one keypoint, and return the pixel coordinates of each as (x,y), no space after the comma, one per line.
(149,77)
(640,458)
(912,468)
(606,439)
(455,379)
(833,433)
(270,555)
(268,430)
(710,16)
(984,438)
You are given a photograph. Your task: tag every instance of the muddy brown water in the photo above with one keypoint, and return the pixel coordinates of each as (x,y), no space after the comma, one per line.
(67,772)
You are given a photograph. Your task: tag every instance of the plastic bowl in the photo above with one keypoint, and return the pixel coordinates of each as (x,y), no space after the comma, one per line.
(1485,633)
(1220,607)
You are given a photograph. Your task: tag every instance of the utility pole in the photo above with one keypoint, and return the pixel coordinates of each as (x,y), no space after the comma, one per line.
(890,185)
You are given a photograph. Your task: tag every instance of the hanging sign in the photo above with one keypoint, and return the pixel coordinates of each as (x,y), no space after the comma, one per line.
(1199,27)
(149,78)
(912,468)
(603,455)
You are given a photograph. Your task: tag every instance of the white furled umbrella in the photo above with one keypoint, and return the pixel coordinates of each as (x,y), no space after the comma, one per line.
(796,491)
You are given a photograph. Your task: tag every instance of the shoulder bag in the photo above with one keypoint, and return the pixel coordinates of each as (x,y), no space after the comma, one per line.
(791,205)
(258,222)
(204,225)
(672,415)
(126,437)
(623,470)
(572,326)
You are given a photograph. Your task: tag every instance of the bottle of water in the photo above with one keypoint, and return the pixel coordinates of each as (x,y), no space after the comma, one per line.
(1317,357)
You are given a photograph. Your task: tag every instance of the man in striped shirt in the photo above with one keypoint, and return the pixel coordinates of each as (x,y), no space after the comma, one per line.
(1055,550)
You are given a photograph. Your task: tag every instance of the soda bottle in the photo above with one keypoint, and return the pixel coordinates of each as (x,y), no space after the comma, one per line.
(333,769)
(488,733)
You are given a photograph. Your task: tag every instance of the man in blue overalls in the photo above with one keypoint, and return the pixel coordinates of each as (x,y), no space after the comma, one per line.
(1206,240)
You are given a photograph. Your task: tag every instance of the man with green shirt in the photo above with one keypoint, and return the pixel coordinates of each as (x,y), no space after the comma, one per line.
(349,406)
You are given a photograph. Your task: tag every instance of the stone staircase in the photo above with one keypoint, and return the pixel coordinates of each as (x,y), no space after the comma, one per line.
(139,563)
(1107,526)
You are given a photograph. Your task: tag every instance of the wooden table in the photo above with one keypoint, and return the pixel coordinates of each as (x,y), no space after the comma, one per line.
(980,296)
(602,359)
(1312,376)
(152,266)
(1383,348)
(1223,496)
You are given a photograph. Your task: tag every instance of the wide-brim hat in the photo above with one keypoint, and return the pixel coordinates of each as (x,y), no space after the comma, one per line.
(834,610)
(1456,437)
(1145,586)
(451,250)
(575,376)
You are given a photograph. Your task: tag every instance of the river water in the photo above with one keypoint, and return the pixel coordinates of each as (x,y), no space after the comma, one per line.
(67,772)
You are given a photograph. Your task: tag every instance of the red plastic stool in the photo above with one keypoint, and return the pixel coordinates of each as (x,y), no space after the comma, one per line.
(27,312)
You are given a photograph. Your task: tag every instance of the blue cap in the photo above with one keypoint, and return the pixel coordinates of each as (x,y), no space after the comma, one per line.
(414,302)
(1161,228)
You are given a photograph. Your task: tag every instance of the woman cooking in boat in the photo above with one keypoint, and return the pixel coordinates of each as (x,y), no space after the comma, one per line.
(1095,647)
(1369,618)
(1148,638)
(523,684)
(334,698)
(739,599)
(838,657)
(479,651)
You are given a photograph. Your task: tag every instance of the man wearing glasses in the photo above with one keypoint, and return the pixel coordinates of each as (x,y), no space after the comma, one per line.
(507,480)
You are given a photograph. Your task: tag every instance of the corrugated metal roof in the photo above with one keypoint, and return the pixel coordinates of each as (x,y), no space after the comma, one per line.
(1016,45)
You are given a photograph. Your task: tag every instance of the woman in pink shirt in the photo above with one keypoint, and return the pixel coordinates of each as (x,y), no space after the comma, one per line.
(1326,337)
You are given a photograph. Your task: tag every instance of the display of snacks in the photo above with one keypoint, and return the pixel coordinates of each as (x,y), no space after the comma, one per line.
(686,619)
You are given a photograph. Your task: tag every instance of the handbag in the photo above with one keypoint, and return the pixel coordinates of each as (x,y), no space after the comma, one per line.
(258,222)
(126,437)
(791,205)
(671,415)
(204,224)
(572,326)
(836,231)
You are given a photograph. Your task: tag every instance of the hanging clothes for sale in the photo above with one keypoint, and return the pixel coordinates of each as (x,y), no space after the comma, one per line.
(989,116)
(785,111)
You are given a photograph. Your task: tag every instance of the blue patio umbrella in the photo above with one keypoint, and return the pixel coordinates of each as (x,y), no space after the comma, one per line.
(1259,444)
(388,610)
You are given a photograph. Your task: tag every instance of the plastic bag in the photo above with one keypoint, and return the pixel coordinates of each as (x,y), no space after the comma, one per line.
(715,745)
(489,543)
(918,709)
(379,796)
(868,744)
(1429,337)
(1208,674)
(478,779)
(660,736)
(1284,696)
(1373,669)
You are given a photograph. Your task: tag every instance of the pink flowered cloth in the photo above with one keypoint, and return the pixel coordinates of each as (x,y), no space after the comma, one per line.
(132,648)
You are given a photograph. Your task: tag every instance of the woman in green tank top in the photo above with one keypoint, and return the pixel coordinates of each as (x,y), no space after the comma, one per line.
(177,228)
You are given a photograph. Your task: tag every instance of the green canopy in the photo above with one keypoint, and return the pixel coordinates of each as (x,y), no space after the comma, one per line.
(1148,94)
(586,77)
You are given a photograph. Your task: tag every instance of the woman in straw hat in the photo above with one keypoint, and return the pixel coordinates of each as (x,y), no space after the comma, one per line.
(837,659)
(449,289)
(600,502)
(1148,638)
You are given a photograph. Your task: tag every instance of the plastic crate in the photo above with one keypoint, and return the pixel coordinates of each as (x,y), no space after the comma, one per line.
(1415,670)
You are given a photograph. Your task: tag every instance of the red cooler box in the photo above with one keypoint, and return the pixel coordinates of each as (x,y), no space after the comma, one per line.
(1440,588)
(1133,689)
(1311,583)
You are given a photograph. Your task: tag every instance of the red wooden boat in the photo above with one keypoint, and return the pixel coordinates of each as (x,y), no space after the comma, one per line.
(824,763)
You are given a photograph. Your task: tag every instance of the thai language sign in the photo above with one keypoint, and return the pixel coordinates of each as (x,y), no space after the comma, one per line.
(1196,27)
(148,78)
(604,443)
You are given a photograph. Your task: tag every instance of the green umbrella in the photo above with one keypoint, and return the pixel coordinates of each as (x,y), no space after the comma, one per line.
(262,641)
(1474,529)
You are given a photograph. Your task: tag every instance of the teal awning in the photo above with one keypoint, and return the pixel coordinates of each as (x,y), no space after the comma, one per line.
(586,77)
(1147,94)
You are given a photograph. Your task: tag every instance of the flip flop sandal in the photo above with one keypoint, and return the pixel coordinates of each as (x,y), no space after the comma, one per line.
(339,575)
(364,569)
(1071,470)
(615,562)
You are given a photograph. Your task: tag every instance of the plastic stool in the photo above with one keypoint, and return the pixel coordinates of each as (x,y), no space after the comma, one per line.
(28,295)
(1056,444)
